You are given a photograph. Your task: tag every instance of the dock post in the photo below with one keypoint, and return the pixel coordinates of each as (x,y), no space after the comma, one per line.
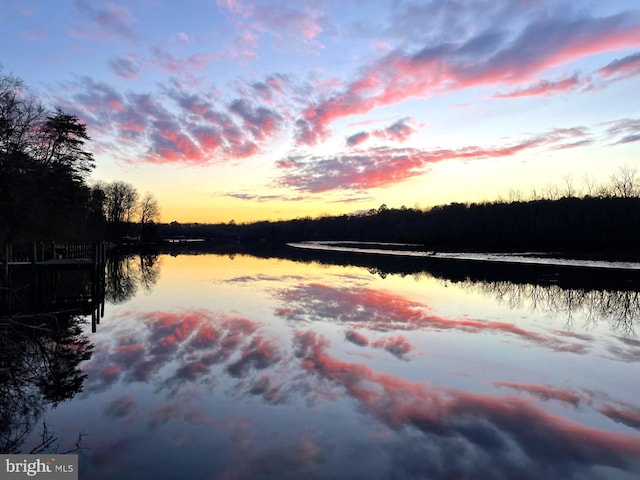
(5,265)
(35,288)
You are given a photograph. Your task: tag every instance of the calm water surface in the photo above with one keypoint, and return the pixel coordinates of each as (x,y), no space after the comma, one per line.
(210,366)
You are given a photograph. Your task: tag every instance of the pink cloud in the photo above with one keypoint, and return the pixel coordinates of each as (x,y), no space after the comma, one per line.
(382,166)
(294,20)
(357,139)
(195,133)
(372,169)
(128,352)
(208,137)
(261,122)
(236,6)
(170,144)
(259,354)
(271,87)
(399,131)
(263,198)
(381,46)
(542,44)
(125,67)
(164,60)
(397,345)
(245,45)
(356,338)
(304,23)
(543,88)
(629,65)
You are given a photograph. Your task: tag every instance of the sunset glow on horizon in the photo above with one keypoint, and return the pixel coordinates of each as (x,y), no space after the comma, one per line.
(264,110)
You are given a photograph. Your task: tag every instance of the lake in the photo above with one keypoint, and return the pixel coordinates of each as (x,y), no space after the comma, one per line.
(233,366)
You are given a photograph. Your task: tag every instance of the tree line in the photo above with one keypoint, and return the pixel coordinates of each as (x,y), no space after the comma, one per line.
(44,171)
(604,220)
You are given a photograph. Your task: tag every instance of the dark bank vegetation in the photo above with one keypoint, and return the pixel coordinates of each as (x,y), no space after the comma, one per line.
(605,221)
(44,170)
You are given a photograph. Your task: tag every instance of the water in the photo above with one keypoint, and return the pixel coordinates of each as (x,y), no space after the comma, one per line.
(232,366)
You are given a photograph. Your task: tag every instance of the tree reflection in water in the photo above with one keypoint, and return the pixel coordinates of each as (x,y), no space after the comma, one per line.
(125,274)
(620,308)
(595,295)
(40,358)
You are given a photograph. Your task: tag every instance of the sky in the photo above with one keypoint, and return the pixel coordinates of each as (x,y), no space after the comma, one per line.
(265,110)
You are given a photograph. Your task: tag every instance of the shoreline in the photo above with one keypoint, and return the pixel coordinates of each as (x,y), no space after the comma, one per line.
(535,258)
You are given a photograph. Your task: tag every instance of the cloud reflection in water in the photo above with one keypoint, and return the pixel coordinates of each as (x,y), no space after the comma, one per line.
(276,397)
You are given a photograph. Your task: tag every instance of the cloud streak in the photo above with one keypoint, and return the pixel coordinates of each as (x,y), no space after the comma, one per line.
(626,66)
(543,88)
(382,166)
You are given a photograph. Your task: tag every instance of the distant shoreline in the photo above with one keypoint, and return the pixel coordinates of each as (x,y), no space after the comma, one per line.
(537,258)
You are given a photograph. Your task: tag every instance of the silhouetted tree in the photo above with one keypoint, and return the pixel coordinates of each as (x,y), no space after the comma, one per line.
(149,213)
(149,210)
(20,113)
(62,144)
(43,166)
(624,183)
(120,201)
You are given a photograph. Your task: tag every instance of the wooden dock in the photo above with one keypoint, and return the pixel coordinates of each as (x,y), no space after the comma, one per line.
(45,277)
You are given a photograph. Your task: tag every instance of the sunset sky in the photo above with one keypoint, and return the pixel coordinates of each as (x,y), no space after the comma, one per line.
(249,110)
